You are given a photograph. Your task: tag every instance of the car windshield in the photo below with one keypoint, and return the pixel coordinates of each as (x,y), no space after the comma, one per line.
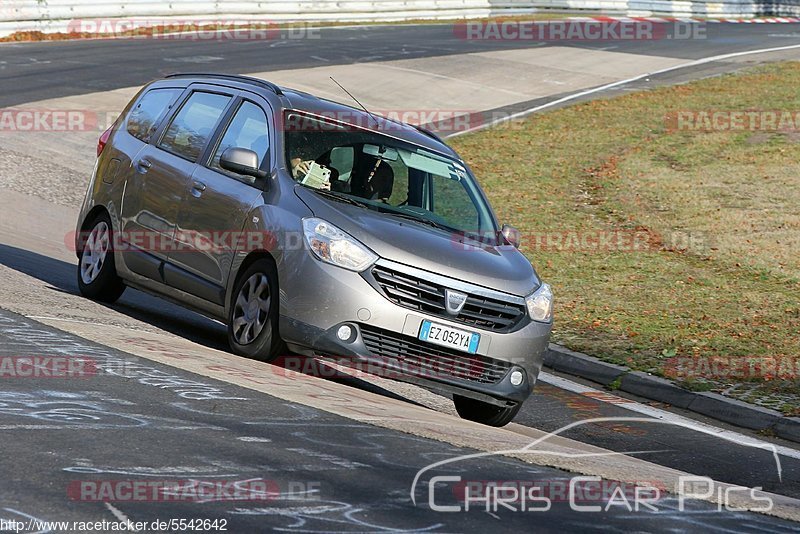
(380,173)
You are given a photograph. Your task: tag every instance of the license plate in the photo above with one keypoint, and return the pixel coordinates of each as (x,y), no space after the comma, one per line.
(454,338)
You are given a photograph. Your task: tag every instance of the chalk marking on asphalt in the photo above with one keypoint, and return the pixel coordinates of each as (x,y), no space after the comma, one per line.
(254,439)
(602,396)
(664,415)
(116,512)
(368,408)
(611,85)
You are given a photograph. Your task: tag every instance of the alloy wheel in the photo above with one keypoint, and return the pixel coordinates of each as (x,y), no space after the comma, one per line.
(94,254)
(251,309)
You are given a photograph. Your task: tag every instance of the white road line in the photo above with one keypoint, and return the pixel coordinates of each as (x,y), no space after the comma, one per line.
(120,516)
(607,86)
(664,415)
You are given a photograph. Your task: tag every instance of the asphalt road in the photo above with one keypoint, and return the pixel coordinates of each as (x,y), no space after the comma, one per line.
(74,449)
(36,71)
(112,428)
(550,408)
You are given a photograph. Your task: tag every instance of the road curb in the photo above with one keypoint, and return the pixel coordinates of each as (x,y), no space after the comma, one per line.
(656,388)
(578,364)
(789,428)
(659,389)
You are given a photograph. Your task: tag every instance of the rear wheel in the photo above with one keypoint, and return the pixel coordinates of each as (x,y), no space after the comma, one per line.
(97,272)
(253,315)
(483,412)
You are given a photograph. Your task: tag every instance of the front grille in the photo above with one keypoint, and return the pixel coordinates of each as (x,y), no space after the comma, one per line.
(413,357)
(429,297)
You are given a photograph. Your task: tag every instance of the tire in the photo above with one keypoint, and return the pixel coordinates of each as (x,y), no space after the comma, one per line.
(253,324)
(483,412)
(97,271)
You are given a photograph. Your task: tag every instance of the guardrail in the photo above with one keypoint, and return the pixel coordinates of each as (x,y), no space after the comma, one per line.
(60,15)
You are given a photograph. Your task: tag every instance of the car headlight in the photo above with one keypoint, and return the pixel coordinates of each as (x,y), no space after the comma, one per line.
(334,246)
(540,304)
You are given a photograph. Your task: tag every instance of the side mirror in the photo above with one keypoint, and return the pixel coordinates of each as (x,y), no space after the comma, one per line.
(241,161)
(511,235)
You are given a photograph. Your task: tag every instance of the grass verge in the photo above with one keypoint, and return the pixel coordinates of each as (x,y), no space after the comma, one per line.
(672,247)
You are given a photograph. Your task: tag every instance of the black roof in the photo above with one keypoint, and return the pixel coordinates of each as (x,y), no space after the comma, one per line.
(302,101)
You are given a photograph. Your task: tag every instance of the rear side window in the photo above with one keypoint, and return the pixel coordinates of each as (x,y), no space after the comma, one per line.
(143,118)
(194,124)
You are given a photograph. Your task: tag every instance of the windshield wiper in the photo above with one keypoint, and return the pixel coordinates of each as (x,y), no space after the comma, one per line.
(408,216)
(341,198)
(421,220)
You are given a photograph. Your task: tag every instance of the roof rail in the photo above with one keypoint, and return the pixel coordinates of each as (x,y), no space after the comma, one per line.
(234,77)
(428,132)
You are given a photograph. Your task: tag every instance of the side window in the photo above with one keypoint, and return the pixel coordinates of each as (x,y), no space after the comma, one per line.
(248,129)
(193,124)
(143,118)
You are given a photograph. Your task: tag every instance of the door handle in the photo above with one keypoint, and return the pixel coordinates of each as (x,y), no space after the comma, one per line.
(143,166)
(198,188)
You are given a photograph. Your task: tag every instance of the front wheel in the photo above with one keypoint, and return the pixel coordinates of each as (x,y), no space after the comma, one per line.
(483,412)
(253,315)
(97,273)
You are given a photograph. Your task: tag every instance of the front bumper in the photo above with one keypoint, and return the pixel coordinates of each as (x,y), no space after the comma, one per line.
(317,299)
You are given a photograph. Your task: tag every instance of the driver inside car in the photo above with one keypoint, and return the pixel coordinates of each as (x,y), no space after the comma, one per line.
(301,167)
(376,183)
(379,183)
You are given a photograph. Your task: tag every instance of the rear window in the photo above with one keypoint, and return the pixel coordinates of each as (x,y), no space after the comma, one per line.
(143,118)
(194,124)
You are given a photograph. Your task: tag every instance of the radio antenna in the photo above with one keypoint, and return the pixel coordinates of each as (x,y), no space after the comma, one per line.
(356,100)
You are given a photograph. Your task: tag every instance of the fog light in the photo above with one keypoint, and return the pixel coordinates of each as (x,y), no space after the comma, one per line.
(344,333)
(516,378)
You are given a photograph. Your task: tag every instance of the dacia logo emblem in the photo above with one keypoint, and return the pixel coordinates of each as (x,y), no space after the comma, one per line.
(454,301)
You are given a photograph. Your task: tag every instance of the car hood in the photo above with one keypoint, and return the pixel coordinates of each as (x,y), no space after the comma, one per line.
(502,268)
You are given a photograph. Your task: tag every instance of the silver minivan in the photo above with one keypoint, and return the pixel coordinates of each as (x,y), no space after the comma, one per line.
(316,229)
